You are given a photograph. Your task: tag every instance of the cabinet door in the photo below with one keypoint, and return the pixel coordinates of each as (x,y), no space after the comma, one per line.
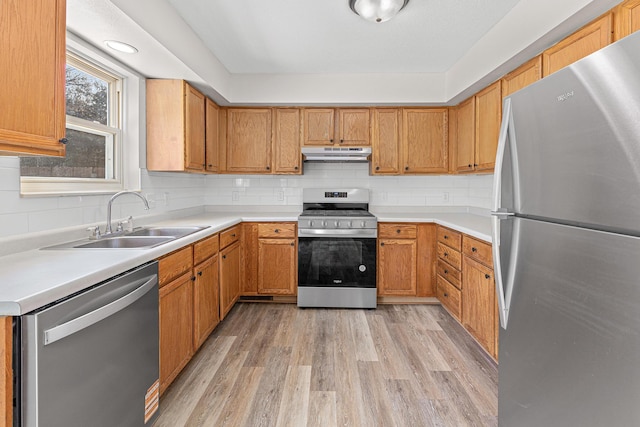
(426,261)
(354,124)
(205,300)
(488,117)
(176,328)
(478,303)
(583,42)
(249,259)
(194,129)
(627,18)
(385,141)
(318,126)
(523,76)
(249,140)
(397,267)
(466,135)
(277,266)
(286,141)
(32,81)
(212,129)
(424,140)
(229,278)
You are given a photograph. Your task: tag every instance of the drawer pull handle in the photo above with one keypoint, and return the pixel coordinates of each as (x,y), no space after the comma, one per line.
(276,230)
(474,250)
(446,237)
(486,276)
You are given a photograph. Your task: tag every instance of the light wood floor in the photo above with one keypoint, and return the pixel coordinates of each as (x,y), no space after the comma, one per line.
(278,365)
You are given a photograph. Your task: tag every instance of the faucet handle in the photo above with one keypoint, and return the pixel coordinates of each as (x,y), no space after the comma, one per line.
(95,232)
(126,225)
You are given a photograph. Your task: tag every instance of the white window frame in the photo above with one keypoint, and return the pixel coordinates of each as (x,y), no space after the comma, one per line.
(126,116)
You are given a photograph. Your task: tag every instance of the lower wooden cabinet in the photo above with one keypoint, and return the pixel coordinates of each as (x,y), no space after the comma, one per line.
(277,266)
(176,328)
(229,277)
(478,303)
(406,259)
(206,300)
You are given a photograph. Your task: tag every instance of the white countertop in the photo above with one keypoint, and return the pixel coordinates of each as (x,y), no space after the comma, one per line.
(33,278)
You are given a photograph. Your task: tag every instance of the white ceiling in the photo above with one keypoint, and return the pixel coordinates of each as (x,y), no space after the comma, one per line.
(325,36)
(318,52)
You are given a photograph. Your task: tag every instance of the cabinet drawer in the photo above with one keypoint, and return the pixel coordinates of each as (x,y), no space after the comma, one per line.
(450,238)
(175,264)
(397,231)
(450,297)
(451,274)
(205,248)
(477,250)
(229,236)
(277,230)
(450,256)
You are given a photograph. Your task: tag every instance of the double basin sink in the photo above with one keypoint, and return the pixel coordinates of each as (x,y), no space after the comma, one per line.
(139,238)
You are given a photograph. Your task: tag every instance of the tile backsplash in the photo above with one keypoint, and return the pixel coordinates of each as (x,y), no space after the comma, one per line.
(171,191)
(443,190)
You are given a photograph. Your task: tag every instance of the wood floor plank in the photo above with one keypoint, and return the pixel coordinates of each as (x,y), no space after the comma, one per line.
(322,409)
(264,408)
(276,364)
(294,406)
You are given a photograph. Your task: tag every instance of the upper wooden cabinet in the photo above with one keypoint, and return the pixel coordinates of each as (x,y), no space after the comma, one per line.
(488,118)
(212,135)
(583,42)
(424,140)
(627,18)
(248,148)
(336,126)
(286,141)
(32,77)
(385,141)
(465,136)
(175,126)
(523,76)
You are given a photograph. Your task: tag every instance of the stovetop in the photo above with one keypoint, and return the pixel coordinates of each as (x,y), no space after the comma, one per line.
(349,213)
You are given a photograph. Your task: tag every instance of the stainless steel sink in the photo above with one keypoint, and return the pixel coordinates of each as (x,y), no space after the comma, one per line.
(141,238)
(125,242)
(165,231)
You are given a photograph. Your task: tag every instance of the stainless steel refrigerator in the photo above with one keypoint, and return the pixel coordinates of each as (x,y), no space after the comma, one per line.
(566,233)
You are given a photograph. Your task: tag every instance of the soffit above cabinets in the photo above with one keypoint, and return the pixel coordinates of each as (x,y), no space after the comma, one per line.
(310,52)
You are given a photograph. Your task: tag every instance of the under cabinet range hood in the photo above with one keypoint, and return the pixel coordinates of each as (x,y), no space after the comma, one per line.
(336,154)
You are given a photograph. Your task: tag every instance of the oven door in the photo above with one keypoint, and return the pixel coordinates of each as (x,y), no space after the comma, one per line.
(337,262)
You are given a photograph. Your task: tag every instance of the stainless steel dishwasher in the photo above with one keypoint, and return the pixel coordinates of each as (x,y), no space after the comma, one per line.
(92,358)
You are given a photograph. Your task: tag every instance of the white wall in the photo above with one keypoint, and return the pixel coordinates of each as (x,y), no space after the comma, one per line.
(286,191)
(19,215)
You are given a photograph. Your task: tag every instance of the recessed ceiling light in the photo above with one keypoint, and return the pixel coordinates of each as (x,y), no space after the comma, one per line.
(120,46)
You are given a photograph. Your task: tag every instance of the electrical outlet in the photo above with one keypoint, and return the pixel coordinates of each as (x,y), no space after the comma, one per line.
(151,198)
(280,196)
(383,196)
(445,197)
(235,196)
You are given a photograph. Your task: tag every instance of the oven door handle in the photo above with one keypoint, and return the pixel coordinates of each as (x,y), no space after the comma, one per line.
(336,233)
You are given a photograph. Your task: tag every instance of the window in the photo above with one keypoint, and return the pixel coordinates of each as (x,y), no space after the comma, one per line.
(101,157)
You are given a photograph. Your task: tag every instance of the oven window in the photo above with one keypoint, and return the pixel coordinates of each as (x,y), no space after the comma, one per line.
(337,262)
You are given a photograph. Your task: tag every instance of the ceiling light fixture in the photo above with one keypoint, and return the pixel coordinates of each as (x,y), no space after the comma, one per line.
(377,10)
(120,46)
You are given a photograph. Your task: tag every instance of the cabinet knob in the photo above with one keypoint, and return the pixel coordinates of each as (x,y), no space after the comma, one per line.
(268,167)
(233,235)
(382,244)
(446,272)
(486,276)
(446,237)
(470,165)
(224,257)
(295,167)
(377,168)
(474,250)
(276,230)
(475,165)
(199,273)
(446,254)
(64,140)
(209,165)
(406,168)
(331,140)
(446,294)
(193,279)
(341,141)
(293,244)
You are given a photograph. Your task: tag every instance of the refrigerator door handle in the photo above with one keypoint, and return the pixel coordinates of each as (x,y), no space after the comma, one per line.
(499,213)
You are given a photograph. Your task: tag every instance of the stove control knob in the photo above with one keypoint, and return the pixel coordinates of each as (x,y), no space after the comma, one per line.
(335,224)
(363,224)
(311,224)
(349,224)
(324,223)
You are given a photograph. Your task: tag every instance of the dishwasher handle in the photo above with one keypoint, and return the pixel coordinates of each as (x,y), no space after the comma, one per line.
(82,322)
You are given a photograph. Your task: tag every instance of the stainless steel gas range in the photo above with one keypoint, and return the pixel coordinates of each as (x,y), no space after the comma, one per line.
(336,249)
